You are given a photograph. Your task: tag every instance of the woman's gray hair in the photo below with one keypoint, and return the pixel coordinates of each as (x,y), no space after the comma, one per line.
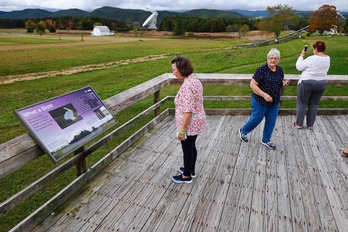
(274,52)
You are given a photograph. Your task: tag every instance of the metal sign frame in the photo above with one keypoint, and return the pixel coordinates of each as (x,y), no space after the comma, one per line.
(65,123)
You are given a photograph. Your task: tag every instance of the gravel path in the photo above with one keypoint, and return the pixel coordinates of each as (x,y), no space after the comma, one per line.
(92,67)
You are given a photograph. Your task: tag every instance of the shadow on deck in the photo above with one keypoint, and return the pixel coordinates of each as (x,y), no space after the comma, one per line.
(302,185)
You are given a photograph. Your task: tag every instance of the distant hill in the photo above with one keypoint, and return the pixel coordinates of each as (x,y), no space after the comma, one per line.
(253,14)
(70,12)
(264,13)
(205,13)
(25,14)
(126,15)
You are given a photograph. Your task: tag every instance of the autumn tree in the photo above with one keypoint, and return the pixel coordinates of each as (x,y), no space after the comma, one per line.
(30,26)
(43,24)
(280,18)
(323,19)
(50,25)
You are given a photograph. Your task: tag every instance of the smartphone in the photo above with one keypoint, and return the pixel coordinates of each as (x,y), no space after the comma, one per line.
(305,48)
(177,134)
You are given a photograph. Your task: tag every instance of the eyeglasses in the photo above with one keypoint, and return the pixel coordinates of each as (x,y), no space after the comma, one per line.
(273,58)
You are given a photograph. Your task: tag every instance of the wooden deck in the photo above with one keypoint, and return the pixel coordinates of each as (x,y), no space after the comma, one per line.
(301,186)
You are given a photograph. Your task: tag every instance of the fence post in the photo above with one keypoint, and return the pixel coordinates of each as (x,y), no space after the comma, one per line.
(156,99)
(81,164)
(281,94)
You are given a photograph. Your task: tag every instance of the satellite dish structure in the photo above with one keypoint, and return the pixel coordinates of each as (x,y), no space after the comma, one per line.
(151,21)
(342,17)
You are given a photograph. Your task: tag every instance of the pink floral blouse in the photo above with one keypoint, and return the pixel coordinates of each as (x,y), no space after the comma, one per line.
(190,99)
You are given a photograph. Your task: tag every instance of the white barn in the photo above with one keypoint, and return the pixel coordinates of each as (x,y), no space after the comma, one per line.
(101,31)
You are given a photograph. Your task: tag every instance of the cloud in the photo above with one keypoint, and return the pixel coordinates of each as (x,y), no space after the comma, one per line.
(89,5)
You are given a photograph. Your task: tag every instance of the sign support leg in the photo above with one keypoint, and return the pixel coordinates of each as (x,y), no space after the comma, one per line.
(81,164)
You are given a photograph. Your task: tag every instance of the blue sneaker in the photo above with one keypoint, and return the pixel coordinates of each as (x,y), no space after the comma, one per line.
(269,145)
(242,136)
(178,179)
(181,170)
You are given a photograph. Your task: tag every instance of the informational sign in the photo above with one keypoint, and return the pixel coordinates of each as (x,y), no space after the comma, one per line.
(65,123)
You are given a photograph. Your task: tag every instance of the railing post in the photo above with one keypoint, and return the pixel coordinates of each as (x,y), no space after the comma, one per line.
(155,100)
(81,164)
(281,94)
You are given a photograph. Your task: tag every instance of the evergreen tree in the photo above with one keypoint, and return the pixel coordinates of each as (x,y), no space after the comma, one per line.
(345,27)
(178,29)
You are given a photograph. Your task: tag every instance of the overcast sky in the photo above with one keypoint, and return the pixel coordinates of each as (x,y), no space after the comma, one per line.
(171,5)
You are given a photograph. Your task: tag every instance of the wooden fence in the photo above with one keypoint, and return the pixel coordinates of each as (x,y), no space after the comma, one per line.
(282,39)
(18,152)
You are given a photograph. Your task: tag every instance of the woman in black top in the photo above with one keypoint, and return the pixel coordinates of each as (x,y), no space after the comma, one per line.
(266,84)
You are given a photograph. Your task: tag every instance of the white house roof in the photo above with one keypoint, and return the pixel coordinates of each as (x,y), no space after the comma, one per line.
(102,28)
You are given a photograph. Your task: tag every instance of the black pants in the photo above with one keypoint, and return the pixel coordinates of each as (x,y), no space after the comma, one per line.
(190,154)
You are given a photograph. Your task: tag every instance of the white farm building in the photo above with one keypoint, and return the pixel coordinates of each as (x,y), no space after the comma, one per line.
(101,31)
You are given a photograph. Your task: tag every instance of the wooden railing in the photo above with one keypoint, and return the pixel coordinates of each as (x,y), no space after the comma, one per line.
(18,152)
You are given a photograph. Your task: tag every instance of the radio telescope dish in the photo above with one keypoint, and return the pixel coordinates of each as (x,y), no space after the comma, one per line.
(151,21)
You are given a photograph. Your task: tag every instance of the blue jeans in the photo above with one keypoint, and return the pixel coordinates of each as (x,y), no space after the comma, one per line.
(259,112)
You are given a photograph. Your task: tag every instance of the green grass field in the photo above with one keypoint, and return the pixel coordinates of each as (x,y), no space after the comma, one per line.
(7,41)
(34,59)
(108,82)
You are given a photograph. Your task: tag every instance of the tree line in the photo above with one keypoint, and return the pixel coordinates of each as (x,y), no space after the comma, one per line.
(63,23)
(195,24)
(12,23)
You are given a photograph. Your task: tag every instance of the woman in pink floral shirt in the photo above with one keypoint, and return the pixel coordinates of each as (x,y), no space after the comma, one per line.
(189,116)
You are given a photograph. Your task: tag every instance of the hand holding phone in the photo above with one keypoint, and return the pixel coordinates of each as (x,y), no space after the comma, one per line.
(177,135)
(305,48)
(286,82)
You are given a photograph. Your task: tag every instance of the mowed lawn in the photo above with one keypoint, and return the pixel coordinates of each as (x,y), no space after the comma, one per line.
(64,54)
(51,54)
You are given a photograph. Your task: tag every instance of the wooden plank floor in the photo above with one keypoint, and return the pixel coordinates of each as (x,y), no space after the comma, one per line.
(301,186)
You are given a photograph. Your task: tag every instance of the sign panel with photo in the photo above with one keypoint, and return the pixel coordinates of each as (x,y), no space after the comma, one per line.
(65,123)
